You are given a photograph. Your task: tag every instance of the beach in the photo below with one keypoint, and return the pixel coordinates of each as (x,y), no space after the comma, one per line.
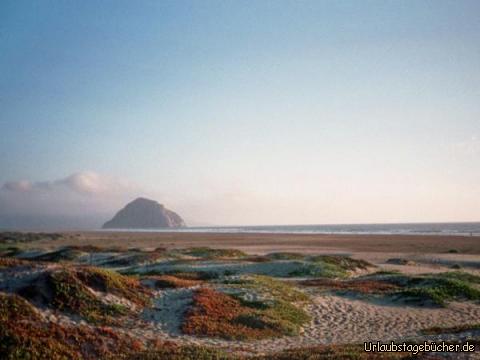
(359,287)
(262,242)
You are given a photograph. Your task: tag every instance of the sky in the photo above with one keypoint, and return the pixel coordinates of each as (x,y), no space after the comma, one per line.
(241,112)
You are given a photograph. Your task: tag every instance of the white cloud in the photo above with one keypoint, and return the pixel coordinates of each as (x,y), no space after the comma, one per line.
(78,196)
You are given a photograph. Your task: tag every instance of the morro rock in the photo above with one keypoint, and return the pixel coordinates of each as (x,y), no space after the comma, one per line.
(144,214)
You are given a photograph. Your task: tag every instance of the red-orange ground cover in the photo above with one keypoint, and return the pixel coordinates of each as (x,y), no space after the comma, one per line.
(216,314)
(24,334)
(12,262)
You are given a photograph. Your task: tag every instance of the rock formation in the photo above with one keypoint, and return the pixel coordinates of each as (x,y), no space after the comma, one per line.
(143,213)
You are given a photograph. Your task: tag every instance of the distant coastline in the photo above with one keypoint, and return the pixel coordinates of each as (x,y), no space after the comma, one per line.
(458,229)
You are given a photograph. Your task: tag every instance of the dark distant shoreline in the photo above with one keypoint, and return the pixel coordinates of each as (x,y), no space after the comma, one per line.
(442,229)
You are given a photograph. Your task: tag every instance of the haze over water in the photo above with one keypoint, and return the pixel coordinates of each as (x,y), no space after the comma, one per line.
(465,229)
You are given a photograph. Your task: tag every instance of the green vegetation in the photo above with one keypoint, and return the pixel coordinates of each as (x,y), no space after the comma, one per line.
(9,250)
(6,262)
(321,352)
(133,257)
(317,270)
(429,289)
(268,287)
(10,237)
(436,289)
(169,281)
(115,283)
(188,352)
(359,285)
(68,293)
(460,275)
(209,253)
(14,308)
(235,315)
(217,314)
(440,291)
(69,289)
(285,256)
(24,334)
(385,272)
(63,254)
(180,273)
(343,262)
(330,266)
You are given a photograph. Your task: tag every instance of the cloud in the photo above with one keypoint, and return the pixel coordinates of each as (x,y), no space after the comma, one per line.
(84,198)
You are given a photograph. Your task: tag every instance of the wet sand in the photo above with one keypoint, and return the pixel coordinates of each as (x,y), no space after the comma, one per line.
(260,243)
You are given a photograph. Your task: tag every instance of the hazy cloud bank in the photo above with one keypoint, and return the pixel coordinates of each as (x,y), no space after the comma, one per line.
(81,200)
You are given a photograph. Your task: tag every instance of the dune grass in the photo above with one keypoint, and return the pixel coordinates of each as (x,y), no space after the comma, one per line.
(64,254)
(170,281)
(70,294)
(268,287)
(330,266)
(112,282)
(435,289)
(362,286)
(428,289)
(187,352)
(69,290)
(285,256)
(7,262)
(24,334)
(209,253)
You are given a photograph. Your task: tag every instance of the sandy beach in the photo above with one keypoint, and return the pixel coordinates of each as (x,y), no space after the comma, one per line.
(262,242)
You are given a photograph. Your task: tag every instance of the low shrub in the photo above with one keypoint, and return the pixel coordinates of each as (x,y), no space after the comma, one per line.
(209,253)
(268,287)
(174,352)
(24,334)
(68,293)
(110,281)
(329,266)
(436,289)
(6,262)
(220,315)
(285,256)
(170,281)
(362,286)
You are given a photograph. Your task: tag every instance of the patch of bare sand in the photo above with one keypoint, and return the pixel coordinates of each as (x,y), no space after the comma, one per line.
(340,320)
(167,312)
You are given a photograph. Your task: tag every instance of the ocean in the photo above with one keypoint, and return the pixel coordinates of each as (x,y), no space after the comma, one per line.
(464,229)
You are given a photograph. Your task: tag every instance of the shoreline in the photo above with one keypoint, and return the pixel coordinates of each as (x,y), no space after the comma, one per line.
(262,242)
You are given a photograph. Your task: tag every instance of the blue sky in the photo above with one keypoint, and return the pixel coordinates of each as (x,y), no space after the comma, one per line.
(250,112)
